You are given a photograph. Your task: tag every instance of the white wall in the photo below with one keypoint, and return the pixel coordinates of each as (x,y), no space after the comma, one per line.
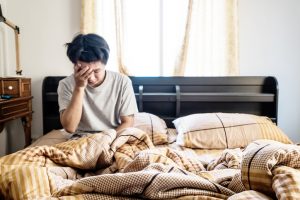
(45,27)
(270,45)
(3,59)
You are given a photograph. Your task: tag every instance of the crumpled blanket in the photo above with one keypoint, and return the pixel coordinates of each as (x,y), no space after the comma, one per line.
(108,165)
(272,168)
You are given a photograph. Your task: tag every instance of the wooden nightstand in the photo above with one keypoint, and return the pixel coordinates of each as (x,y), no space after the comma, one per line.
(19,105)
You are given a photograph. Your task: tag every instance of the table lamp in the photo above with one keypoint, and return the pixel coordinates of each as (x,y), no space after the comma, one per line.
(17,32)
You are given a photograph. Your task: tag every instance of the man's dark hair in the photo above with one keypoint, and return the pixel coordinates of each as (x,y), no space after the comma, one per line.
(88,48)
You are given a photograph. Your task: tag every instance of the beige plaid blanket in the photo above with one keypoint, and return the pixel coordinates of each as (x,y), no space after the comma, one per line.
(128,166)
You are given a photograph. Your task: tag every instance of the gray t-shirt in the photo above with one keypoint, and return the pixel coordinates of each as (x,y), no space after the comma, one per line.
(103,105)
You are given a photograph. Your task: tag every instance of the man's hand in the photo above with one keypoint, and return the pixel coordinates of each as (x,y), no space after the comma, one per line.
(82,74)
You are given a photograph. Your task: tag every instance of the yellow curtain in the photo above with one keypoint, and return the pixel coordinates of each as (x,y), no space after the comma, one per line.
(118,9)
(232,37)
(87,22)
(180,65)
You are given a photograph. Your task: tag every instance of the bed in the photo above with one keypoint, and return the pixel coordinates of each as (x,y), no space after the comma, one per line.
(193,138)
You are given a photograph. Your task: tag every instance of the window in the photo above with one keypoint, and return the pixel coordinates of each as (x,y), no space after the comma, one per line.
(153,37)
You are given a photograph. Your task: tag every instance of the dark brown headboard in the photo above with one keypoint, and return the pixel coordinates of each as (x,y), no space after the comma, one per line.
(172,97)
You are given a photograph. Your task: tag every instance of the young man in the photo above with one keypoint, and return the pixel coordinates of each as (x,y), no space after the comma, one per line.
(94,99)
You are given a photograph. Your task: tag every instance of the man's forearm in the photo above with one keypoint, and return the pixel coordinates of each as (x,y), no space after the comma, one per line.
(71,116)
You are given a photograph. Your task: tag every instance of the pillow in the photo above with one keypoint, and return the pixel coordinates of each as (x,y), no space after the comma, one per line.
(225,130)
(154,126)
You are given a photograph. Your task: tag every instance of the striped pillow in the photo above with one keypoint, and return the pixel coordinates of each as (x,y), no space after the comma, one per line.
(225,130)
(154,126)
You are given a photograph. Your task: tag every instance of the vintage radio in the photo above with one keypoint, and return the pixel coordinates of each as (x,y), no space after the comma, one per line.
(15,86)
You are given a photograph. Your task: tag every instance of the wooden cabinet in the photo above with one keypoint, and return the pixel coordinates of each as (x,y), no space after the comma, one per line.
(19,105)
(15,87)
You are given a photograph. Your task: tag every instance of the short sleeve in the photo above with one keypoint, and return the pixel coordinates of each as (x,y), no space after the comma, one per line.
(128,104)
(64,95)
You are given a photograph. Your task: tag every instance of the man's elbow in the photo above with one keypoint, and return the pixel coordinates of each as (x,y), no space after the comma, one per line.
(68,128)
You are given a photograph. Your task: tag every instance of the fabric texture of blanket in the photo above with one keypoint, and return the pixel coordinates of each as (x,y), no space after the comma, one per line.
(128,166)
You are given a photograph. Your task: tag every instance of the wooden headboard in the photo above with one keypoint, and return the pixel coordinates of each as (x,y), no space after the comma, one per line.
(172,97)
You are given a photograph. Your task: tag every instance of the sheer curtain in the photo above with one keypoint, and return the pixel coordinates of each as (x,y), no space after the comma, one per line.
(167,37)
(88,20)
(210,44)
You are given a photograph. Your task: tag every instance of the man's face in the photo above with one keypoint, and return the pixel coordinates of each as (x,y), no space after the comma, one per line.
(98,74)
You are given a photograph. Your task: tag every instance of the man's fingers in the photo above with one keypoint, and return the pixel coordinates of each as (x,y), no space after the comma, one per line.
(84,74)
(82,70)
(77,67)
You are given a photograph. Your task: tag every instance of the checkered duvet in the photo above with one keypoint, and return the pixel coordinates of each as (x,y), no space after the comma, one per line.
(128,166)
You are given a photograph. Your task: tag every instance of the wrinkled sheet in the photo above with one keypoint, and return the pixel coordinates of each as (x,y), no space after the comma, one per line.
(127,165)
